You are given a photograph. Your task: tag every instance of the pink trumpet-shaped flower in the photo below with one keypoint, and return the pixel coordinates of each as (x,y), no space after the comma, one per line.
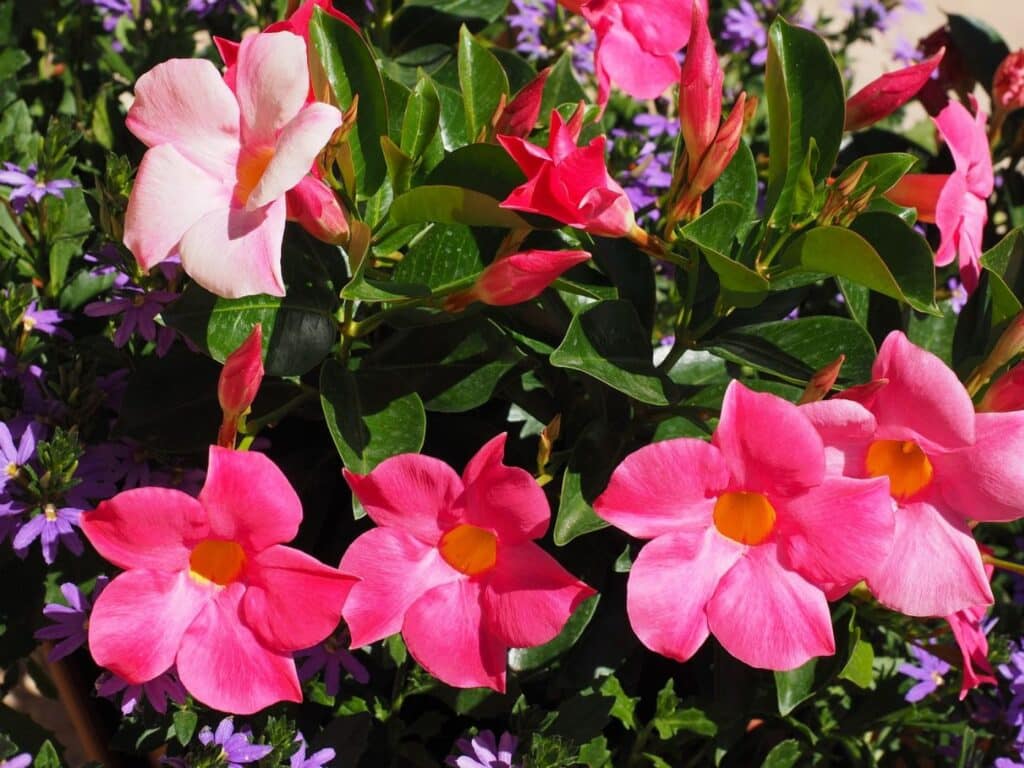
(957,202)
(569,183)
(212,185)
(516,278)
(747,534)
(637,42)
(209,587)
(969,630)
(916,425)
(453,566)
(884,95)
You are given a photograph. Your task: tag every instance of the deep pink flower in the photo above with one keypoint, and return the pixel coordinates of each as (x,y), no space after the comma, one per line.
(209,586)
(747,534)
(637,42)
(453,566)
(569,183)
(212,186)
(957,202)
(519,117)
(969,629)
(1008,83)
(884,95)
(916,425)
(516,278)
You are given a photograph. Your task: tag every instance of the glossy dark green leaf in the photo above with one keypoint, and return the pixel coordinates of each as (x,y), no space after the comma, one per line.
(794,687)
(713,233)
(858,299)
(607,341)
(298,330)
(982,46)
(586,476)
(880,171)
(421,119)
(483,83)
(794,349)
(785,754)
(68,224)
(905,253)
(399,164)
(485,168)
(453,205)
(562,87)
(445,254)
(806,102)
(452,119)
(352,70)
(488,10)
(522,659)
(738,182)
(367,422)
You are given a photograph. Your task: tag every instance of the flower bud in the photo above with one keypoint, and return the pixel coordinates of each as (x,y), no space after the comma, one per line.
(883,96)
(239,381)
(520,115)
(1007,393)
(516,278)
(700,92)
(822,381)
(317,210)
(1008,83)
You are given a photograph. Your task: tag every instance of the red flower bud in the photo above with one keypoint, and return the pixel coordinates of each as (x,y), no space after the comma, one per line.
(317,210)
(516,278)
(881,97)
(700,92)
(239,381)
(1008,83)
(520,115)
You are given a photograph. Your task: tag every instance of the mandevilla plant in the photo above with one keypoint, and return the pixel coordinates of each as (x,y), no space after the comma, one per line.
(509,384)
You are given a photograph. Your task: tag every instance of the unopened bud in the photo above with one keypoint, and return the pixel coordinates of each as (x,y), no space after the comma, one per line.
(519,116)
(1007,393)
(516,278)
(1008,83)
(822,381)
(239,382)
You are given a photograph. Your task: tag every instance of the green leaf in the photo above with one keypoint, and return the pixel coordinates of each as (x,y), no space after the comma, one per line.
(607,341)
(858,300)
(783,755)
(984,47)
(47,756)
(185,721)
(453,205)
(794,349)
(624,708)
(352,70)
(399,164)
(713,233)
(806,102)
(68,224)
(367,422)
(445,254)
(485,168)
(488,10)
(595,753)
(795,686)
(483,83)
(422,118)
(586,476)
(562,87)
(905,253)
(845,253)
(522,659)
(880,171)
(997,261)
(738,182)
(858,669)
(298,329)
(669,719)
(452,119)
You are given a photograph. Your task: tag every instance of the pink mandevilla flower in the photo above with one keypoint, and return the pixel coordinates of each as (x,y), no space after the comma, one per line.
(212,186)
(957,202)
(453,565)
(970,630)
(637,42)
(208,586)
(569,183)
(916,425)
(747,534)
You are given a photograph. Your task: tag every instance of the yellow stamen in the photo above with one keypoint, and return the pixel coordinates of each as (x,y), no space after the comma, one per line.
(903,462)
(215,561)
(469,549)
(748,518)
(50,512)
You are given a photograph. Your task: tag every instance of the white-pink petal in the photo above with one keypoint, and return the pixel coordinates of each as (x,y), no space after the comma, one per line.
(272,82)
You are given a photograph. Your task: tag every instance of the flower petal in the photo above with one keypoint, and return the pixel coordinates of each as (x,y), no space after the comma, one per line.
(667,486)
(984,482)
(185,102)
(752,427)
(272,82)
(847,429)
(153,528)
(528,596)
(445,634)
(670,584)
(293,601)
(249,500)
(170,195)
(297,147)
(837,533)
(935,568)
(410,492)
(234,253)
(505,499)
(770,617)
(224,665)
(394,569)
(139,620)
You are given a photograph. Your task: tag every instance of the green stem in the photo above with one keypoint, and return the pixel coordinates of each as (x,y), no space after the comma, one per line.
(252,428)
(1005,565)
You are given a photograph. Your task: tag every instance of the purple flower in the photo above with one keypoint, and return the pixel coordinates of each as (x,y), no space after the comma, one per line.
(52,526)
(331,656)
(140,309)
(17,761)
(1013,671)
(957,295)
(906,52)
(237,747)
(113,11)
(743,29)
(534,21)
(929,673)
(12,458)
(203,8)
(70,622)
(483,752)
(44,320)
(157,691)
(24,185)
(870,13)
(317,760)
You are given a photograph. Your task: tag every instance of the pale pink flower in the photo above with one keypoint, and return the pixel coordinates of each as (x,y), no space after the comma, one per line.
(748,532)
(947,466)
(212,185)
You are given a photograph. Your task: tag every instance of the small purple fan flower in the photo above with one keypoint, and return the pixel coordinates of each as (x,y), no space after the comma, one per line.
(237,747)
(25,186)
(929,672)
(318,759)
(139,309)
(53,526)
(45,321)
(24,760)
(13,458)
(157,691)
(743,29)
(203,8)
(331,656)
(483,751)
(70,622)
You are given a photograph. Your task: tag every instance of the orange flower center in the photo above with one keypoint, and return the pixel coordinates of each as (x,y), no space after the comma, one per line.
(748,518)
(50,512)
(469,549)
(216,561)
(903,462)
(251,164)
